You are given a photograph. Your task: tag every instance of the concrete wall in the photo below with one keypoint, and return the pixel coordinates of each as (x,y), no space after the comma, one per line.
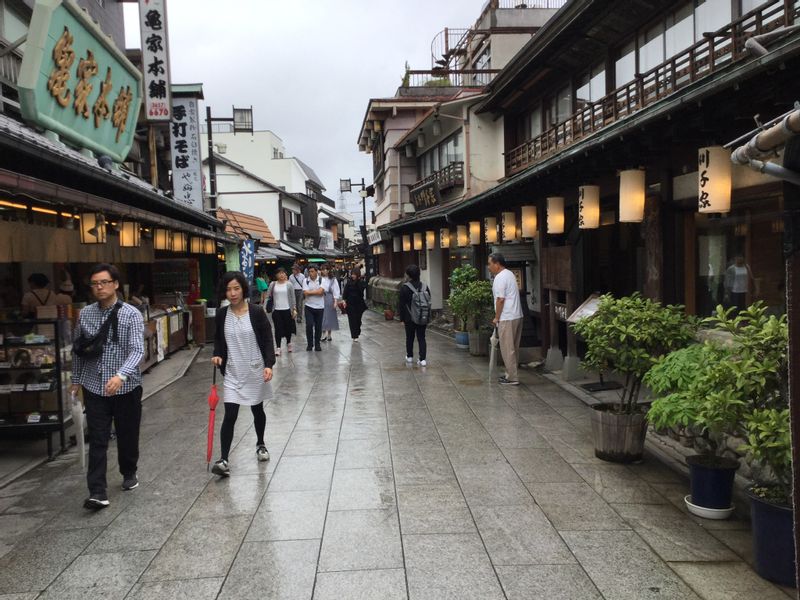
(109,17)
(486,152)
(432,276)
(505,47)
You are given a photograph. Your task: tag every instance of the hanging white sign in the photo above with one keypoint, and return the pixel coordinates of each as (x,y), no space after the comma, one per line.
(155,59)
(187,182)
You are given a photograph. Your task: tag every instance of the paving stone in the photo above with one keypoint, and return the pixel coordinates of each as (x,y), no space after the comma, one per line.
(616,483)
(361,539)
(436,508)
(541,465)
(520,535)
(491,485)
(673,536)
(109,575)
(362,489)
(189,552)
(272,571)
(229,496)
(311,442)
(623,567)
(184,589)
(547,582)
(575,506)
(36,561)
(449,566)
(420,465)
(727,581)
(363,454)
(303,473)
(289,516)
(386,584)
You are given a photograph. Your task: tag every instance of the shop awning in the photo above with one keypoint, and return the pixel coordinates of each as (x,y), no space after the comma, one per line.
(271,253)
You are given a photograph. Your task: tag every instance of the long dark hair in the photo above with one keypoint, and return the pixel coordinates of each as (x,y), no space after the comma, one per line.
(356,272)
(237,276)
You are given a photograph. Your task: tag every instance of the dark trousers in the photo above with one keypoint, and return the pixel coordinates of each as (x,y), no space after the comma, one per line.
(282,320)
(228,423)
(354,316)
(126,412)
(314,326)
(412,329)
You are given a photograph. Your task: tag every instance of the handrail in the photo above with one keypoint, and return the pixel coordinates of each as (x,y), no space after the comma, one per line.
(718,49)
(447,177)
(434,78)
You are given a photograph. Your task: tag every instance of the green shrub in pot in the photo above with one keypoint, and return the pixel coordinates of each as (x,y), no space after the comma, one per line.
(459,302)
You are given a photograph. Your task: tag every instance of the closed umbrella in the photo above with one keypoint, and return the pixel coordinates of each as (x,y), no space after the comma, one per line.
(77,418)
(493,343)
(213,400)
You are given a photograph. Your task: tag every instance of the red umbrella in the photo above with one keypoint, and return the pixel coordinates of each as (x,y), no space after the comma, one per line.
(213,400)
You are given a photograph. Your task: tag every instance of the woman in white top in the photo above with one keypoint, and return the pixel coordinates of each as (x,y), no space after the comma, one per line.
(284,309)
(333,293)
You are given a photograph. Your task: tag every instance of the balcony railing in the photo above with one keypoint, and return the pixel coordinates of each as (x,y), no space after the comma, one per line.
(494,4)
(451,176)
(716,51)
(447,78)
(10,64)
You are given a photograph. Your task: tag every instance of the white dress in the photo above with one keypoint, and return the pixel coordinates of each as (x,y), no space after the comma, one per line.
(244,371)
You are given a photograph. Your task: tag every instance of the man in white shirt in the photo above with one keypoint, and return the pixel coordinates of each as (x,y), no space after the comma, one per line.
(297,279)
(507,316)
(315,307)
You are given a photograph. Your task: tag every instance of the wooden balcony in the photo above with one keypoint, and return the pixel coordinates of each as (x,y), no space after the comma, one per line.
(451,176)
(704,58)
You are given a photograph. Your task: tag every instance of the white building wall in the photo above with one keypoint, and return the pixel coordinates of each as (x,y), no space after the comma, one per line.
(486,152)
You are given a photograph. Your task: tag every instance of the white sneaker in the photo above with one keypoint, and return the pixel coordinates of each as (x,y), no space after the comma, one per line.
(422,363)
(409,360)
(262,454)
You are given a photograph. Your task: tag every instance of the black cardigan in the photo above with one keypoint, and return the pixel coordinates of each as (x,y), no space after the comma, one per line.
(353,294)
(262,329)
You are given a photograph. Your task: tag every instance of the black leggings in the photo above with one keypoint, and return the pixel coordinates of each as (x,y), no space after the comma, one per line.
(231,412)
(413,329)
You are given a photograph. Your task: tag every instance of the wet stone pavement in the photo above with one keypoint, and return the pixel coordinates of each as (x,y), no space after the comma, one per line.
(386,482)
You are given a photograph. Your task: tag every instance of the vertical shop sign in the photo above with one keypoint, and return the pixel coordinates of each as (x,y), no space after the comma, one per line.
(187,184)
(247,255)
(155,59)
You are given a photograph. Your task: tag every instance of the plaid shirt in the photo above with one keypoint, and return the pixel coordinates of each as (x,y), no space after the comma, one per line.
(122,356)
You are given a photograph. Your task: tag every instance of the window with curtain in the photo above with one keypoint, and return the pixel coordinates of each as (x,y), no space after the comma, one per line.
(679,33)
(443,154)
(651,48)
(625,67)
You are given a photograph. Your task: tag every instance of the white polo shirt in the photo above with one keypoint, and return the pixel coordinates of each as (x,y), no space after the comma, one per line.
(505,286)
(309,285)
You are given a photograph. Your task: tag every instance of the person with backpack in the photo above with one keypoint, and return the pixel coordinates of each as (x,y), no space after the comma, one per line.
(415,312)
(107,349)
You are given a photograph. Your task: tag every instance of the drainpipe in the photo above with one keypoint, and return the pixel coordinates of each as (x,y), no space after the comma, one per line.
(467,158)
(763,145)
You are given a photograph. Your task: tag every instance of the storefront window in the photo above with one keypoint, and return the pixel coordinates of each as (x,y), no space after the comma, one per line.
(440,156)
(739,257)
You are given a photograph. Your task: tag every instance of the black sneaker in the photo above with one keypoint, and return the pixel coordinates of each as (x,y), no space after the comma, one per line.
(506,381)
(308,348)
(130,483)
(96,502)
(318,349)
(221,468)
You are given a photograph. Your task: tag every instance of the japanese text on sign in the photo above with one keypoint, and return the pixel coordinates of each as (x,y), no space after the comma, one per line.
(704,162)
(425,196)
(155,59)
(186,162)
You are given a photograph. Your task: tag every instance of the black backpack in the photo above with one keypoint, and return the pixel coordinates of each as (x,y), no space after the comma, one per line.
(92,347)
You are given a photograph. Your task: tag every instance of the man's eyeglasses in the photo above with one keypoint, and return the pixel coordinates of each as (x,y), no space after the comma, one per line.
(99,284)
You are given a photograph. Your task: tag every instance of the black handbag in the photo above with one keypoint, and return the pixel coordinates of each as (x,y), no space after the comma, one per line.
(92,346)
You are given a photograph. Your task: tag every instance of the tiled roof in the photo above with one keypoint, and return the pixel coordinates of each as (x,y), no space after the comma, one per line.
(246,226)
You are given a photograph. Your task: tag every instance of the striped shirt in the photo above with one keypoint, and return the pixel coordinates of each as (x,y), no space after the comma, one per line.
(122,356)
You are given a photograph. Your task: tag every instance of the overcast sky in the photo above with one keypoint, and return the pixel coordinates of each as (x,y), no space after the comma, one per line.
(308,67)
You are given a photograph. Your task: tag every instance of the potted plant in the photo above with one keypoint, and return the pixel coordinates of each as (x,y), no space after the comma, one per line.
(460,278)
(391,299)
(693,395)
(628,335)
(760,349)
(477,308)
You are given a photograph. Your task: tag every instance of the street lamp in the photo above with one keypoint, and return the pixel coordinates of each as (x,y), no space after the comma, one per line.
(367,191)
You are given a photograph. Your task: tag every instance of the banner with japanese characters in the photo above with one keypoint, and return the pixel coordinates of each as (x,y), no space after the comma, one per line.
(187,182)
(247,257)
(75,82)
(155,59)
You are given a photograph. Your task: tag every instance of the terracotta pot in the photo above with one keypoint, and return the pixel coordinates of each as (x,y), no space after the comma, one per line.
(388,314)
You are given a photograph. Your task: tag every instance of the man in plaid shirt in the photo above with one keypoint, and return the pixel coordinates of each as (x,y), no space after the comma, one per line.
(111,383)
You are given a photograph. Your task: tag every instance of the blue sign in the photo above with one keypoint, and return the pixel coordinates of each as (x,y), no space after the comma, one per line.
(247,257)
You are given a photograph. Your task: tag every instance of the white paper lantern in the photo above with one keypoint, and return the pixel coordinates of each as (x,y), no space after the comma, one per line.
(406,243)
(714,177)
(474,233)
(130,234)
(430,239)
(462,238)
(529,221)
(490,230)
(417,241)
(397,244)
(631,196)
(555,214)
(588,207)
(444,238)
(509,226)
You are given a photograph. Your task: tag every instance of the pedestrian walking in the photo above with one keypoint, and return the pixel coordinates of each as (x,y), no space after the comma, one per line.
(262,285)
(333,293)
(244,351)
(297,280)
(507,316)
(107,349)
(355,304)
(415,312)
(314,308)
(284,309)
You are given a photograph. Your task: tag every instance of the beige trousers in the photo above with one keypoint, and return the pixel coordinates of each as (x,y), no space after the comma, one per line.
(510,334)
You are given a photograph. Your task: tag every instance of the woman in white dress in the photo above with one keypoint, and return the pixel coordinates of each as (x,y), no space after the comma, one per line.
(333,293)
(284,309)
(244,351)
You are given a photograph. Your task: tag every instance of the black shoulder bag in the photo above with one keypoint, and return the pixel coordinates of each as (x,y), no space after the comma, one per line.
(92,347)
